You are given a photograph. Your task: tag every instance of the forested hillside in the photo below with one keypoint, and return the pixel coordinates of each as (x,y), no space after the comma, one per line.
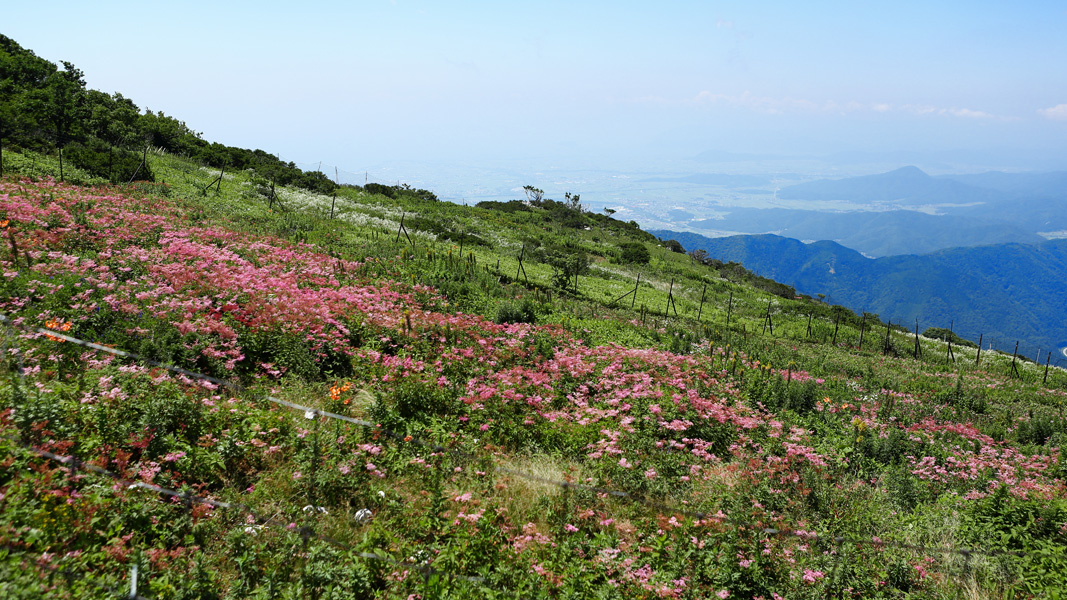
(1003,293)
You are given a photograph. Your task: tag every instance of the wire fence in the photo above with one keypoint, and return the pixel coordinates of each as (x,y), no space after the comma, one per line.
(73,465)
(72,576)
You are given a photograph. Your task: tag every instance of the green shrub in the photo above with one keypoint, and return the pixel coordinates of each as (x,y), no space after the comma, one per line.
(516,312)
(410,400)
(674,246)
(940,333)
(634,253)
(286,351)
(397,191)
(114,164)
(511,206)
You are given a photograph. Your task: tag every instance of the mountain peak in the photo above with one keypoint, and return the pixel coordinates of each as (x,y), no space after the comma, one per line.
(906,185)
(910,172)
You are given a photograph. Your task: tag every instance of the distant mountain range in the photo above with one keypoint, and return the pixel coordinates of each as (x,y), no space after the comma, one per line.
(869,232)
(907,211)
(1007,292)
(907,186)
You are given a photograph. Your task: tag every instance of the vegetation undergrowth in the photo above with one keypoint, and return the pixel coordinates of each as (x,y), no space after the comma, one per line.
(484,343)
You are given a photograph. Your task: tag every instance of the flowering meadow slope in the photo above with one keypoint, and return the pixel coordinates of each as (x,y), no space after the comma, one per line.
(739,479)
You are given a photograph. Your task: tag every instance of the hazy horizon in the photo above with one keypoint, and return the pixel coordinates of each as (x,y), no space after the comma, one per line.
(582,85)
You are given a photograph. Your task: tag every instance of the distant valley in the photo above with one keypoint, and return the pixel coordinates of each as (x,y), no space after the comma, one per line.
(1003,292)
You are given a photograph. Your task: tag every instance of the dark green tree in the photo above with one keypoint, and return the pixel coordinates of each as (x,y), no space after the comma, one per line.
(66,111)
(634,253)
(113,119)
(674,246)
(23,95)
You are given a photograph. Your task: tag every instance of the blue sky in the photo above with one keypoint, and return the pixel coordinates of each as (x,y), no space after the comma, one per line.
(353,83)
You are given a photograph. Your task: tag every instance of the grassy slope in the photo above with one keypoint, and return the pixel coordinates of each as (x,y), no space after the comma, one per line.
(780,429)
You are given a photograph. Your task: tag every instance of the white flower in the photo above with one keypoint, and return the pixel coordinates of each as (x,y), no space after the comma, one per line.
(363,515)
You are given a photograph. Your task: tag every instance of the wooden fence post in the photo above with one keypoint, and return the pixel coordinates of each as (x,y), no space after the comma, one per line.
(863,325)
(700,311)
(837,321)
(405,231)
(577,266)
(670,301)
(522,254)
(978,357)
(337,182)
(949,355)
(633,291)
(144,159)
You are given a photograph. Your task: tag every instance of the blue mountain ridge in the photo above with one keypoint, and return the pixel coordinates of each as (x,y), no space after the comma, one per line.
(1003,292)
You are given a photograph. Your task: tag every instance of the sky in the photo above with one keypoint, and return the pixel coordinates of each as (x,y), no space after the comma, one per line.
(596,84)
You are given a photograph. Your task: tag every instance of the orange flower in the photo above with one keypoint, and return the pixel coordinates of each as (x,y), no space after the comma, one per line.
(56,325)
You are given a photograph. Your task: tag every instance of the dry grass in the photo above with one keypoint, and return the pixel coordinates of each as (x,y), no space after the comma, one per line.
(528,497)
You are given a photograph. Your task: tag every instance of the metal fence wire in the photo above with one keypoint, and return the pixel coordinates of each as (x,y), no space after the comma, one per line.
(73,465)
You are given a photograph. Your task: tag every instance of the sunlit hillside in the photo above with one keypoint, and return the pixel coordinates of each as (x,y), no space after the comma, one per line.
(449,408)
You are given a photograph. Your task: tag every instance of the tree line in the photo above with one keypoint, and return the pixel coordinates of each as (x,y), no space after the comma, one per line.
(47,108)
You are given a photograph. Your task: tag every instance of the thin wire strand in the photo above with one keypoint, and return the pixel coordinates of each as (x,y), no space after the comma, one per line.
(640,499)
(75,575)
(306,532)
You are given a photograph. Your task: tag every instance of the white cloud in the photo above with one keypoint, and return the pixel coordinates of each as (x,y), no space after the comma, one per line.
(774,106)
(917,109)
(1056,113)
(924,109)
(969,114)
(788,104)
